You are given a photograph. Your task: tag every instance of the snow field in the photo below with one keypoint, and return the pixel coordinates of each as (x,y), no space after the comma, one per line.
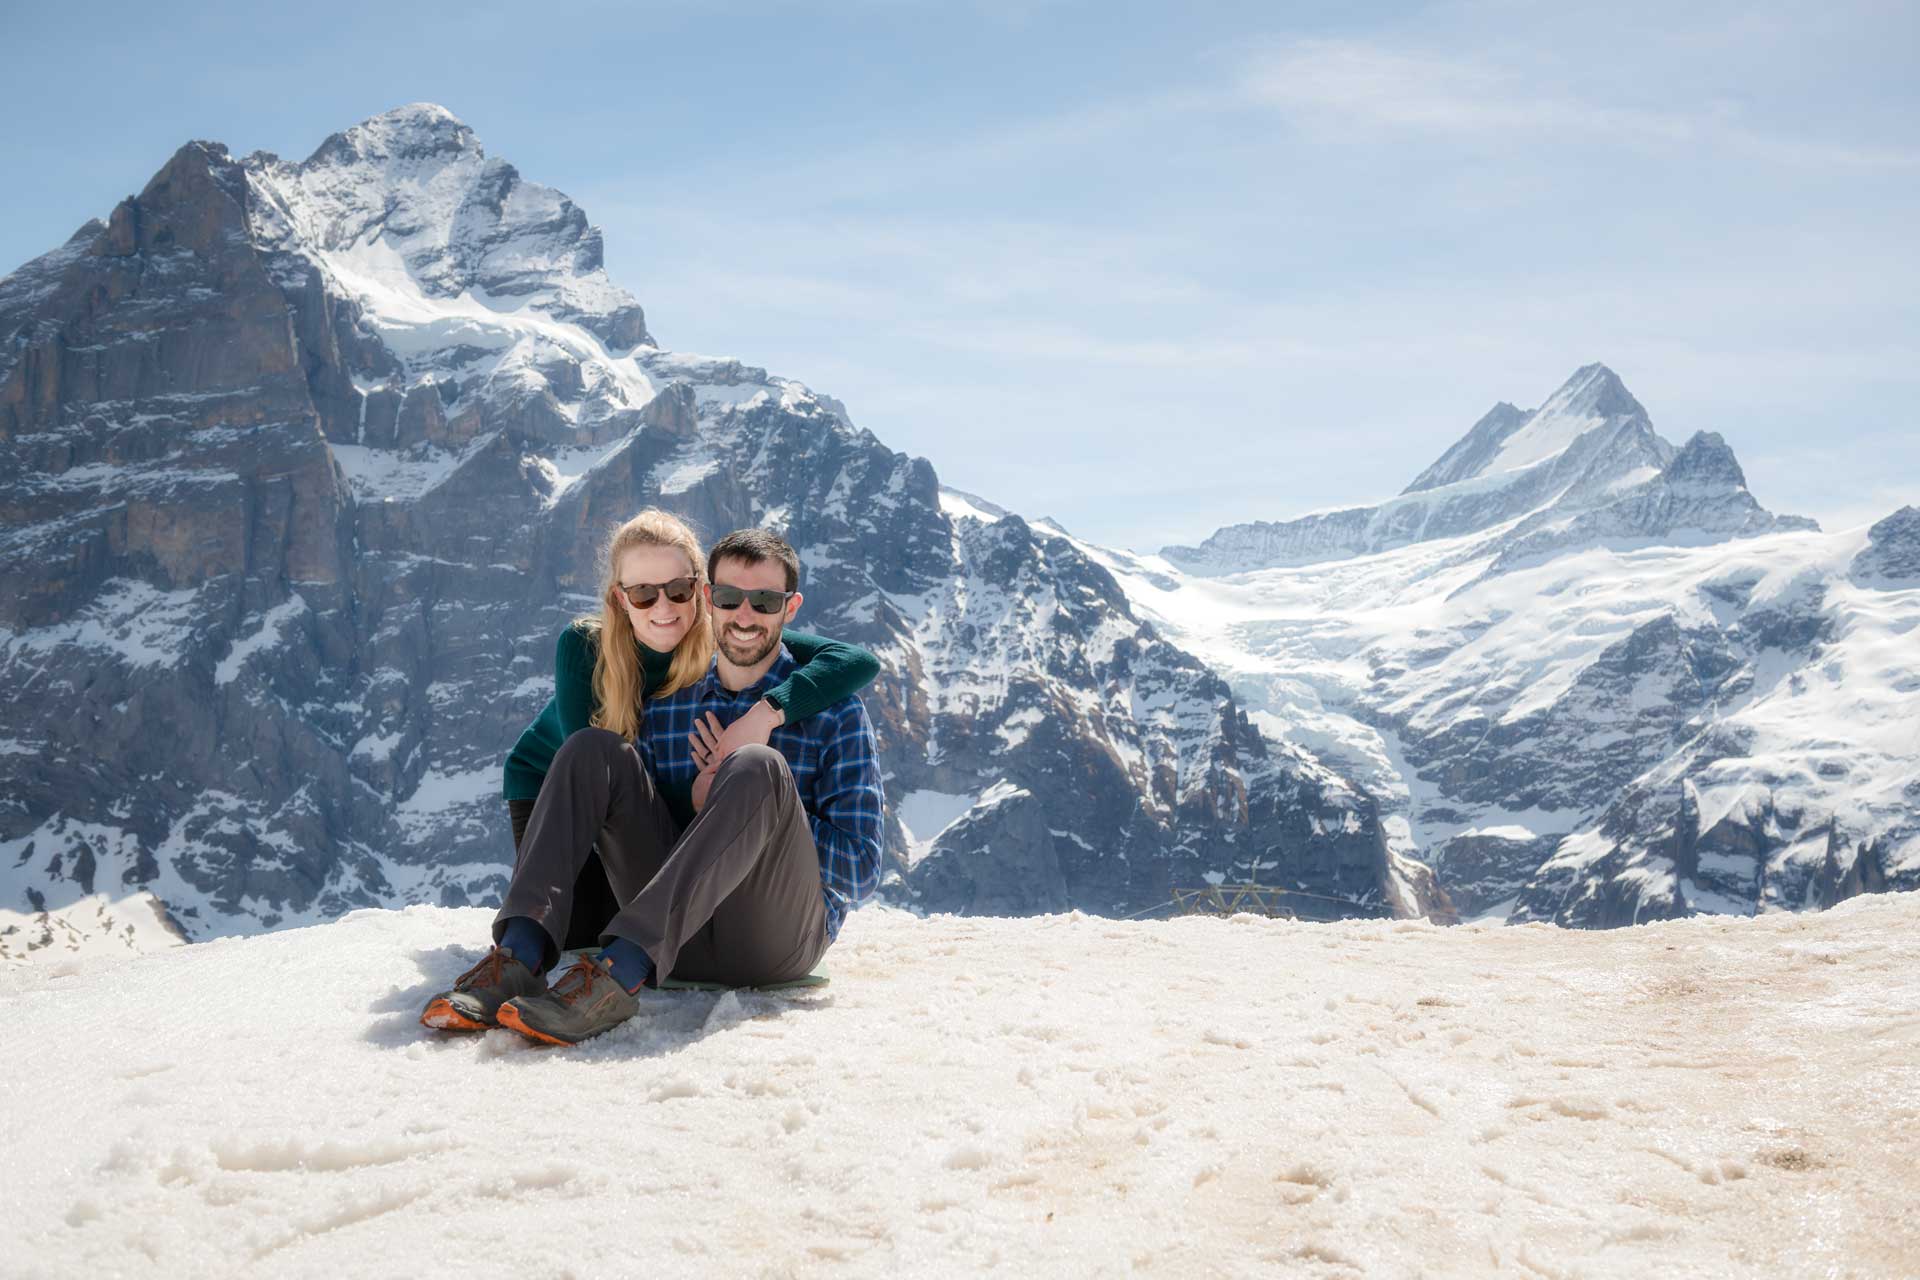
(1054,1096)
(1419,635)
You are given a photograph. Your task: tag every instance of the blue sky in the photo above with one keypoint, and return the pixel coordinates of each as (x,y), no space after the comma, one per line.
(1147,269)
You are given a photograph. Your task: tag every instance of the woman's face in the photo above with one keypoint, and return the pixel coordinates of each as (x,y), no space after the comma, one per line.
(661,625)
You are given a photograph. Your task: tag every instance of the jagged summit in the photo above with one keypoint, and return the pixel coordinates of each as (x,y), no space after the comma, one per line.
(1593,389)
(1706,461)
(1892,552)
(1586,466)
(1699,496)
(1510,438)
(409,202)
(1586,443)
(416,129)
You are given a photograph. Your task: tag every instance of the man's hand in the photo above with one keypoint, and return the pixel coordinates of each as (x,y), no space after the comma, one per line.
(712,744)
(702,785)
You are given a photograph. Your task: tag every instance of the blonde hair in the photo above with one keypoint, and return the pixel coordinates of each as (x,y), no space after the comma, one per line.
(619,684)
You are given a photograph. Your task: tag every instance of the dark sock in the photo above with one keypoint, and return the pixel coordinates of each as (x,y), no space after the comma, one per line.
(630,963)
(527,941)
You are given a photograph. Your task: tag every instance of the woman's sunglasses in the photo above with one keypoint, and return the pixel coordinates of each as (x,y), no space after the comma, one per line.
(725,597)
(642,594)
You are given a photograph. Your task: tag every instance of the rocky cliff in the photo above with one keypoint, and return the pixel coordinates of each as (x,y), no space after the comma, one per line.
(304,465)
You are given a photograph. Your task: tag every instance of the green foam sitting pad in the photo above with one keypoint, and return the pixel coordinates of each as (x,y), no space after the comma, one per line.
(818,978)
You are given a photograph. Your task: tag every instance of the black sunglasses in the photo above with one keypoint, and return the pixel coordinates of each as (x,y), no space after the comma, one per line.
(725,597)
(643,594)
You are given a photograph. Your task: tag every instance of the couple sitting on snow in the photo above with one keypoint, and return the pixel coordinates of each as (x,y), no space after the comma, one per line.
(693,799)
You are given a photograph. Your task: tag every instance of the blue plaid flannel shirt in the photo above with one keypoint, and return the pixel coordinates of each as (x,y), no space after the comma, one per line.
(832,758)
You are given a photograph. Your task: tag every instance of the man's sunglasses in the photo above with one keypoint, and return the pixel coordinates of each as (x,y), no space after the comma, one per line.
(725,597)
(642,594)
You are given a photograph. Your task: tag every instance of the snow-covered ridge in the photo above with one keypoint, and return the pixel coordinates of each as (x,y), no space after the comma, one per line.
(1590,398)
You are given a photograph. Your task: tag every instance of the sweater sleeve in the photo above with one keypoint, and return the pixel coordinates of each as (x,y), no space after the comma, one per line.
(828,671)
(573,658)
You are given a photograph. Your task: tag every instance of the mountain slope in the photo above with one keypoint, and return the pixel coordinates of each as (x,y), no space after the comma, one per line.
(308,463)
(1655,700)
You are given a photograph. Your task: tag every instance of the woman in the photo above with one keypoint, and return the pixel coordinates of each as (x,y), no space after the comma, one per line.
(664,643)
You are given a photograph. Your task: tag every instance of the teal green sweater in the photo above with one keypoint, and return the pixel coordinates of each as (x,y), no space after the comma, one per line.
(828,672)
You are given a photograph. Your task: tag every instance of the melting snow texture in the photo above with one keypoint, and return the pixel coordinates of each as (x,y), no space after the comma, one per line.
(1052,1096)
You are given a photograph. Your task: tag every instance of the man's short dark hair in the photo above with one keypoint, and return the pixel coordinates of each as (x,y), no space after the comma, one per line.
(756,546)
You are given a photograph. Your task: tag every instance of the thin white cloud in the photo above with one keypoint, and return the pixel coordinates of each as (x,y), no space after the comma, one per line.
(1348,87)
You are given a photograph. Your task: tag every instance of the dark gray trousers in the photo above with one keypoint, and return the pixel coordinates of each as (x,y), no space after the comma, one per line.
(735,898)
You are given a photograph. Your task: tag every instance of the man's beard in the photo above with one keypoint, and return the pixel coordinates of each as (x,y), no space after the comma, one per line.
(746,651)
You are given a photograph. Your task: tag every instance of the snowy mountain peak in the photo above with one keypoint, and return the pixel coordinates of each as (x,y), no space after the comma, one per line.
(1513,439)
(407,208)
(1596,391)
(415,130)
(1592,398)
(1587,443)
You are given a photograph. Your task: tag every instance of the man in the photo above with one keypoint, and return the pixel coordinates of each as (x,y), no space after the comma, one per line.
(749,853)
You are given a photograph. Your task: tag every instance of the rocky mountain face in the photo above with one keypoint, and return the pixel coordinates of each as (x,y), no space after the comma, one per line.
(1892,554)
(305,465)
(1647,696)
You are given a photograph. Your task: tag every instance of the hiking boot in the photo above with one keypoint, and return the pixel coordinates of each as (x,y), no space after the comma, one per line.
(587,1000)
(474,1002)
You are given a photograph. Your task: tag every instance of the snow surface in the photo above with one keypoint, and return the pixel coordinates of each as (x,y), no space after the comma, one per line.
(964,506)
(1054,1096)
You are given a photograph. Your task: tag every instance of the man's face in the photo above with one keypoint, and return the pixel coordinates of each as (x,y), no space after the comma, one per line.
(744,635)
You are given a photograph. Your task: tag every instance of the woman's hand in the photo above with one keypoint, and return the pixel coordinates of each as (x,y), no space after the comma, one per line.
(705,738)
(712,744)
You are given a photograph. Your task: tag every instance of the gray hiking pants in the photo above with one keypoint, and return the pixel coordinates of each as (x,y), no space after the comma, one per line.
(735,898)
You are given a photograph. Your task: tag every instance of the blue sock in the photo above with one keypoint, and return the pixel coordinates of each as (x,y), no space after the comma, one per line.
(630,964)
(527,941)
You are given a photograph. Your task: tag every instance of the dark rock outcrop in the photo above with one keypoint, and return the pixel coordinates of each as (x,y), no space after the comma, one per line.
(1892,554)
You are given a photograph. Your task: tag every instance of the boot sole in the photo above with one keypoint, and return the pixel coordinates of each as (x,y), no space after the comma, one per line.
(442,1016)
(511,1019)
